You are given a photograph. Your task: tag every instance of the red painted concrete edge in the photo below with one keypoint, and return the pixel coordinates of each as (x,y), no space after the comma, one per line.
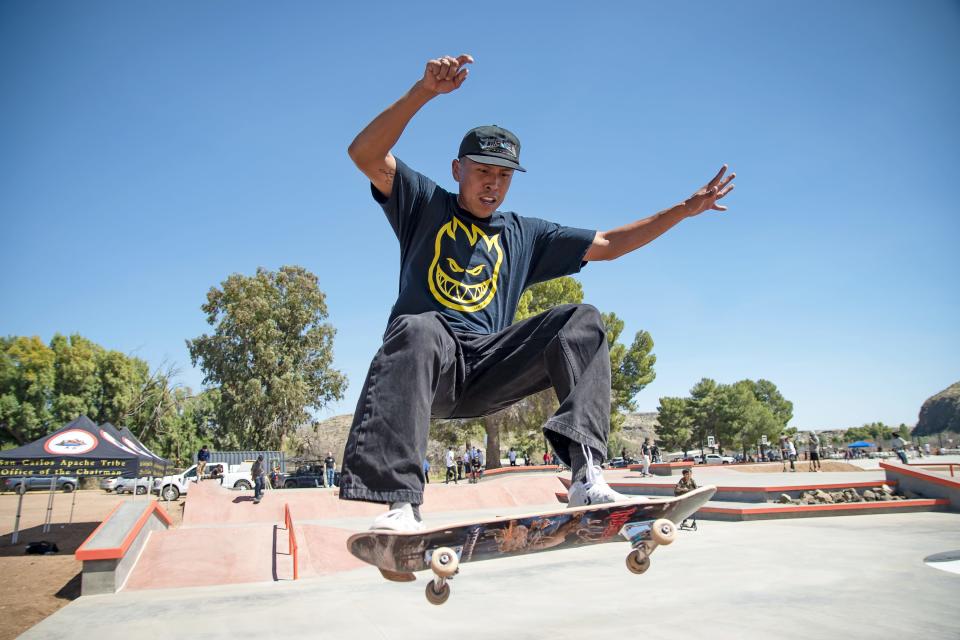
(804,487)
(922,475)
(669,465)
(112,553)
(855,506)
(548,467)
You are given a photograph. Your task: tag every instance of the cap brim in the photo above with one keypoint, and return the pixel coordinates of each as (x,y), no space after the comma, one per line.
(500,162)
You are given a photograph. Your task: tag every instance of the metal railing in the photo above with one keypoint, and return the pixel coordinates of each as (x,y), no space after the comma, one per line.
(292,539)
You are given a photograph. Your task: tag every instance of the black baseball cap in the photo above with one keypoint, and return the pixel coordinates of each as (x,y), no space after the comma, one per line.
(492,145)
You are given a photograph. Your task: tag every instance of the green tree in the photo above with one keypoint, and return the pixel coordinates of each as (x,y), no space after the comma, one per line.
(77,390)
(631,369)
(27,379)
(121,381)
(767,393)
(705,410)
(270,354)
(737,415)
(675,417)
(190,426)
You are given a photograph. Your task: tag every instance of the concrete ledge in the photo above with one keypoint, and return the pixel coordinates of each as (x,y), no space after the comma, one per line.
(521,469)
(922,482)
(664,468)
(772,512)
(745,494)
(110,552)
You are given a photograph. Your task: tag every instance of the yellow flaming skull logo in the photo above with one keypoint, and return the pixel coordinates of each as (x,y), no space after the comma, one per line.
(466,263)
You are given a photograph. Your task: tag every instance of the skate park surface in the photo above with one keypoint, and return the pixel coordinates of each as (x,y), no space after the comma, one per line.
(226,573)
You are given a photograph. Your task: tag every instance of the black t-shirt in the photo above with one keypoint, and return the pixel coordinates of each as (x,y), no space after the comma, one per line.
(469,269)
(329,462)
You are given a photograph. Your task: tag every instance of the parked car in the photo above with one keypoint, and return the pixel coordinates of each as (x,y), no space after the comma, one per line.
(109,484)
(619,463)
(309,475)
(235,476)
(715,458)
(39,483)
(126,485)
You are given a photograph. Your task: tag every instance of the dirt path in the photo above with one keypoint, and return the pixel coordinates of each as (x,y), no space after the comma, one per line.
(33,587)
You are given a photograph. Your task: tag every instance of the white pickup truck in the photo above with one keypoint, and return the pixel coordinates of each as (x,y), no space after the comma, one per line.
(234,476)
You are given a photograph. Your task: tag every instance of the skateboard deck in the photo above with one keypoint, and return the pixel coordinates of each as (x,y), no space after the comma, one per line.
(645,523)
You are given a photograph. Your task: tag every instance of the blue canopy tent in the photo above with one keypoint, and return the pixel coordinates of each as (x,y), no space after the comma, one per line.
(860,444)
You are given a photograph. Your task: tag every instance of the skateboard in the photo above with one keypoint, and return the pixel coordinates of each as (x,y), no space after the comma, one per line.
(645,523)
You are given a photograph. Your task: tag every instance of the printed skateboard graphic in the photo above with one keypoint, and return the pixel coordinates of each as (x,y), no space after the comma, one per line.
(644,523)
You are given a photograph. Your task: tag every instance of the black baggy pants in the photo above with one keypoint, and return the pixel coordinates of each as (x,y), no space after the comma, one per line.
(425,369)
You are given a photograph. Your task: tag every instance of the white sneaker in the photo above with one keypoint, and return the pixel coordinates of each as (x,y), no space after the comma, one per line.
(593,490)
(401,518)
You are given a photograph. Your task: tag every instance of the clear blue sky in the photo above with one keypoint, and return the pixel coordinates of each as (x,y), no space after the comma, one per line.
(149,150)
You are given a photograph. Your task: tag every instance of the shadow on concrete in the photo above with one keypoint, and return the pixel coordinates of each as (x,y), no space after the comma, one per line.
(240,499)
(67,537)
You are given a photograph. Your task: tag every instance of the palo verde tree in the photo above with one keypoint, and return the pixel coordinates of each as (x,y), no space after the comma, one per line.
(270,354)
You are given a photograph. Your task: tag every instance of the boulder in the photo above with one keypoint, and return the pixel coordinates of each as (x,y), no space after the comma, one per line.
(785,499)
(869,495)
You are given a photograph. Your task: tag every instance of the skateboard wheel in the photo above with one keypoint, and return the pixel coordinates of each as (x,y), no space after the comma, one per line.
(663,531)
(435,595)
(637,562)
(444,562)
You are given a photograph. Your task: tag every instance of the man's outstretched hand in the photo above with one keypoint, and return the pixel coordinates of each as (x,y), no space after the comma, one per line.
(446,74)
(706,198)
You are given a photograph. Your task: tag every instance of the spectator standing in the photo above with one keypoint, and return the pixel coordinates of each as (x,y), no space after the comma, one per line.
(426,470)
(330,466)
(275,479)
(655,453)
(466,461)
(203,457)
(451,467)
(792,453)
(512,456)
(256,474)
(645,457)
(546,457)
(926,448)
(814,452)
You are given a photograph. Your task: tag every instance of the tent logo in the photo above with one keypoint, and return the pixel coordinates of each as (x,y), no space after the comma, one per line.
(127,441)
(109,438)
(73,442)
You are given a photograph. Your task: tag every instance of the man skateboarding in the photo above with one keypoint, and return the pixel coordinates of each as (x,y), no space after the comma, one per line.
(450,350)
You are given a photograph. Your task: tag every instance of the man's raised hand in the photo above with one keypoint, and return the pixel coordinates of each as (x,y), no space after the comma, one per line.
(706,198)
(446,74)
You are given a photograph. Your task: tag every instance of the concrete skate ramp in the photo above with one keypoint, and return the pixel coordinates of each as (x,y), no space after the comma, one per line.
(226,539)
(210,504)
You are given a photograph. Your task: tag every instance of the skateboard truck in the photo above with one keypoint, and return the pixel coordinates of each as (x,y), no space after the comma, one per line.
(645,537)
(445,563)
